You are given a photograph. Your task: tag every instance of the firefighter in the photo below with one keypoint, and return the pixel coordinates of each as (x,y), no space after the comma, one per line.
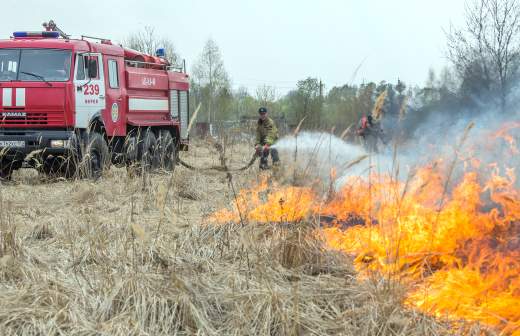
(371,132)
(266,136)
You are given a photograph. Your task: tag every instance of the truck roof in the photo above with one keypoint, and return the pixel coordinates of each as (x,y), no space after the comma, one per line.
(59,43)
(105,47)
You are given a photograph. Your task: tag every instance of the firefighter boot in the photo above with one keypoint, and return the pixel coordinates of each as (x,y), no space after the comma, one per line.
(263,160)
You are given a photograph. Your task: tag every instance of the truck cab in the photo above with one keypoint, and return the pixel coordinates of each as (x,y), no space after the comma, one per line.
(73,107)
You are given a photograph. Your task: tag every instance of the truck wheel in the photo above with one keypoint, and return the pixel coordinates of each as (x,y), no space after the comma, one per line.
(6,169)
(167,151)
(96,158)
(147,152)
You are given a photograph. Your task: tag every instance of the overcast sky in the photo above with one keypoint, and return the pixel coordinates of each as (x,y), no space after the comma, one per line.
(271,42)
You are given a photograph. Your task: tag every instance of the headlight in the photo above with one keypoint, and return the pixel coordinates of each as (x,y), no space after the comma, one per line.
(60,143)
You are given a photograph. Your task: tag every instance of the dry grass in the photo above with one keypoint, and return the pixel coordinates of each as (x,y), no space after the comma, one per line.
(123,257)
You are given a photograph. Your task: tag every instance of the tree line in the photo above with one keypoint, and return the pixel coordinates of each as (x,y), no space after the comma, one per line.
(482,74)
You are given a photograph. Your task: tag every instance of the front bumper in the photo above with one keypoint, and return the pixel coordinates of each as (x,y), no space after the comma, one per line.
(31,141)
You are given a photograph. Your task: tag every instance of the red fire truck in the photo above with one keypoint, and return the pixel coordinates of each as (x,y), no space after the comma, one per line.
(69,105)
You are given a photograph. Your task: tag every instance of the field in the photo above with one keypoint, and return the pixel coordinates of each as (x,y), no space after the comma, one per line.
(139,256)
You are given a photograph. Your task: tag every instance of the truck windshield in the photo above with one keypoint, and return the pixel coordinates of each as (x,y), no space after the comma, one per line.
(35,65)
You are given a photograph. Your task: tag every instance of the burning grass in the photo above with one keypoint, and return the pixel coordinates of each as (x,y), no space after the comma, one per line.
(459,258)
(453,246)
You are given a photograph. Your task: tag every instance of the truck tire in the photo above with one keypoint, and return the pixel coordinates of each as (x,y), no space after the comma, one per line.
(6,170)
(148,155)
(167,151)
(7,167)
(95,158)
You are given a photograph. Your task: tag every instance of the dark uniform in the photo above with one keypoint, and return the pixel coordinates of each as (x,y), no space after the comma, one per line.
(266,136)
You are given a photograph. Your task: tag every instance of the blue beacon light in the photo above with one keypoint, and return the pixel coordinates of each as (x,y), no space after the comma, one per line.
(160,52)
(49,34)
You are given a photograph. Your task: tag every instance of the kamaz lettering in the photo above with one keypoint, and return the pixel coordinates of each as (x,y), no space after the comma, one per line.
(14,114)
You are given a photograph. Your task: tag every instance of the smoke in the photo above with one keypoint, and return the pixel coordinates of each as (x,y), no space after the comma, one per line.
(440,137)
(470,142)
(316,154)
(318,151)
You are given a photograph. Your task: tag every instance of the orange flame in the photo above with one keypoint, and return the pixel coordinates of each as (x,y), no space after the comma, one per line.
(503,133)
(266,203)
(455,254)
(457,248)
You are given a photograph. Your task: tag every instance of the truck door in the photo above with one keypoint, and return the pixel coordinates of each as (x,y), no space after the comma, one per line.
(116,105)
(89,81)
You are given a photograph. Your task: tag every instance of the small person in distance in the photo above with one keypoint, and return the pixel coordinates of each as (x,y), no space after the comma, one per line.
(266,136)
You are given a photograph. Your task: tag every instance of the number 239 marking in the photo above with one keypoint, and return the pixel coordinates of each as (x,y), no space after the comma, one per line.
(91,90)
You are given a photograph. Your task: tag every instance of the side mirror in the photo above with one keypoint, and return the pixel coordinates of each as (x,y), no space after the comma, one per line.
(92,68)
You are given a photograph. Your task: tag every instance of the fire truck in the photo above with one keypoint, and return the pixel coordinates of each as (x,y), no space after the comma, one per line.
(75,106)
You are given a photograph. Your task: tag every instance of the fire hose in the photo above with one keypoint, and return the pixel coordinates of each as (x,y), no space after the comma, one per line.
(219,168)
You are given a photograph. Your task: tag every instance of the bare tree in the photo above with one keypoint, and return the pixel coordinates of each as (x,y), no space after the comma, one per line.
(266,96)
(210,75)
(148,42)
(486,52)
